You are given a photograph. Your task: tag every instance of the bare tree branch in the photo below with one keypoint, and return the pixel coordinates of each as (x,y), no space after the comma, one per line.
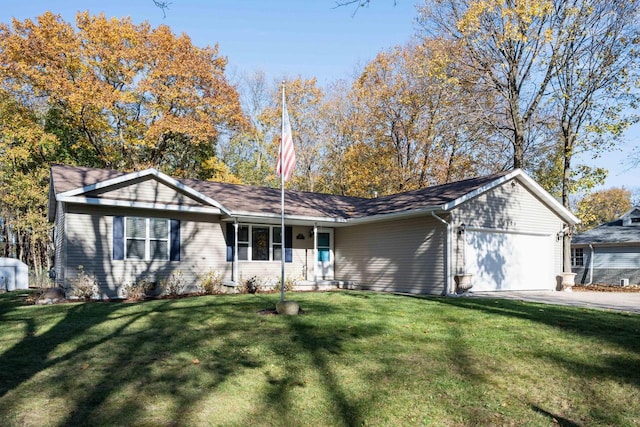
(163,5)
(359,4)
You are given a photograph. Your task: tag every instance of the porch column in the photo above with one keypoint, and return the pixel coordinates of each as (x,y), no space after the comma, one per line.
(235,251)
(315,252)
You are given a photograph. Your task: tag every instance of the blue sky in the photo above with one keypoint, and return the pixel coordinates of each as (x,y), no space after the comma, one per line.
(308,38)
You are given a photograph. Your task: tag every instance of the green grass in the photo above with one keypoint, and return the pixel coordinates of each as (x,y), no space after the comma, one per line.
(354,358)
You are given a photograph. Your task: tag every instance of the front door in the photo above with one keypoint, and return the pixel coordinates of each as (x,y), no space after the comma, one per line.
(324,268)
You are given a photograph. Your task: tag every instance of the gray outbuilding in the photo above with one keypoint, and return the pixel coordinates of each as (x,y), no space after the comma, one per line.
(14,274)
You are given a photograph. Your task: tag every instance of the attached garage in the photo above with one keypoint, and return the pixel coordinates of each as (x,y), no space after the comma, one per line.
(501,260)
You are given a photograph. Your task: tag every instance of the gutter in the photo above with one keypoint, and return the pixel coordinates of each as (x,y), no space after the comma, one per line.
(448,290)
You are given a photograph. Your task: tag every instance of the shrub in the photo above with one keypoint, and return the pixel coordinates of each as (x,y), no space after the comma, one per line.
(138,290)
(84,286)
(251,285)
(211,282)
(174,284)
(289,283)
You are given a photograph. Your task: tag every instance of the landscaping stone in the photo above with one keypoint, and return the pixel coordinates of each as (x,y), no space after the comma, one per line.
(289,308)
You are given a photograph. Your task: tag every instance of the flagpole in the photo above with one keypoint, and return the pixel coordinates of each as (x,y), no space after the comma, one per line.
(282,238)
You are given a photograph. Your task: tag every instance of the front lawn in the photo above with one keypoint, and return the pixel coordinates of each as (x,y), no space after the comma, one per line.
(353,358)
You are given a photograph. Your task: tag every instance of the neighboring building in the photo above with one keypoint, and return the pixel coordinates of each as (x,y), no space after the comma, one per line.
(14,274)
(125,227)
(609,253)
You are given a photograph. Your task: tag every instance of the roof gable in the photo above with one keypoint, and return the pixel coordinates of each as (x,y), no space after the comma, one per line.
(104,187)
(632,217)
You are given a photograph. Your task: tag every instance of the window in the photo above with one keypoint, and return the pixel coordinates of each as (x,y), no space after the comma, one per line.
(259,243)
(146,238)
(577,257)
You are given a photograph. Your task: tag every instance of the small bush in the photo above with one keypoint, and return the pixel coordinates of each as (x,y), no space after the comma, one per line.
(84,286)
(139,290)
(211,282)
(251,285)
(289,283)
(174,284)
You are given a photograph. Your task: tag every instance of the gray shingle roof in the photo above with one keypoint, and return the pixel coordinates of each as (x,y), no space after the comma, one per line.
(245,198)
(65,178)
(611,233)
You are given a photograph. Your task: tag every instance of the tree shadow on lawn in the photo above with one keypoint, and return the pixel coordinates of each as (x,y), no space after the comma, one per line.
(112,363)
(618,329)
(98,352)
(319,344)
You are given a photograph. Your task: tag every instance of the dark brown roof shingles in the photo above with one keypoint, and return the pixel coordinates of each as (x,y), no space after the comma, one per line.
(264,200)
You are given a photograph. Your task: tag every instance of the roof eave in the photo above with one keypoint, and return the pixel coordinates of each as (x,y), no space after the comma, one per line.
(395,215)
(245,216)
(138,205)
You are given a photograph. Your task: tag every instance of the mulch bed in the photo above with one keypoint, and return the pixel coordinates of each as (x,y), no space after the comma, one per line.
(606,288)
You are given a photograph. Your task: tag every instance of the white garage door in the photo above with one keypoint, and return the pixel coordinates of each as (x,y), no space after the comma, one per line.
(508,261)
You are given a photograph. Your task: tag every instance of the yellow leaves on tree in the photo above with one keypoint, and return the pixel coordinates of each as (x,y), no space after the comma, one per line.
(513,18)
(135,95)
(405,121)
(603,206)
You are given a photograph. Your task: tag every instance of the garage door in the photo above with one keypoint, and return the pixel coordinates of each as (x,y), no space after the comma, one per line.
(509,261)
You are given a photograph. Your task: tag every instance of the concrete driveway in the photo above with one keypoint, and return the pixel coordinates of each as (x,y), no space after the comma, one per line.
(621,301)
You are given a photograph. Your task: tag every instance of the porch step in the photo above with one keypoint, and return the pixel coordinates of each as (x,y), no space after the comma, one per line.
(323,285)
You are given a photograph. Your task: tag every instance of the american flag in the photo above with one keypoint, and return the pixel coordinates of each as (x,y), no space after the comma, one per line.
(286,154)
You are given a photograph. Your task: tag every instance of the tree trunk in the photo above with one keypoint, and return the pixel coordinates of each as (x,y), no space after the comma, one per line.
(566,188)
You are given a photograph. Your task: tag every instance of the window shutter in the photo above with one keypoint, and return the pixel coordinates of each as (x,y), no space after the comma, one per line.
(231,241)
(118,237)
(174,248)
(288,244)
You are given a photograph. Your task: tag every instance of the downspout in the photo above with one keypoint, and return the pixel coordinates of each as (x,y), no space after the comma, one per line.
(591,256)
(448,290)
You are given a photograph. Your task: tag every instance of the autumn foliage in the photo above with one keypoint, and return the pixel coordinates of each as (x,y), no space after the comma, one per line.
(108,93)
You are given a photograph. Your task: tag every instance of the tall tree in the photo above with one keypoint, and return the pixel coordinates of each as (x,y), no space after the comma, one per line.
(247,154)
(107,93)
(597,62)
(560,67)
(304,99)
(410,126)
(596,70)
(137,96)
(506,52)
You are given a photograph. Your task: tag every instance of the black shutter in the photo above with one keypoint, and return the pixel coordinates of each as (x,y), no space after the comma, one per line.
(174,248)
(118,237)
(288,244)
(231,241)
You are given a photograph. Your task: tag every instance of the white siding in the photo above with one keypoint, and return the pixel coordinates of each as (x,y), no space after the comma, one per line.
(147,190)
(202,249)
(509,207)
(396,256)
(90,244)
